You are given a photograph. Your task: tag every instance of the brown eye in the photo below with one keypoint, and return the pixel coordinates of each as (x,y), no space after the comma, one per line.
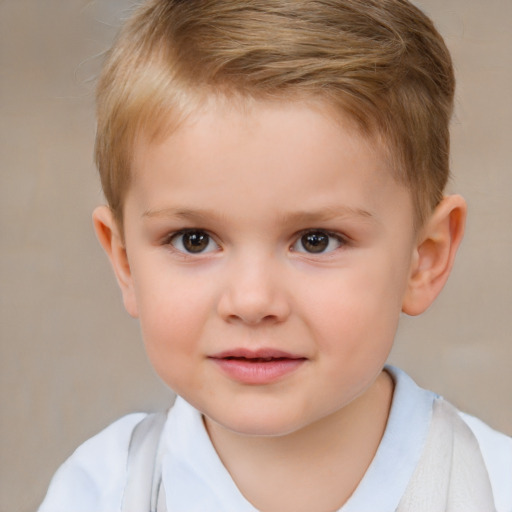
(193,242)
(317,241)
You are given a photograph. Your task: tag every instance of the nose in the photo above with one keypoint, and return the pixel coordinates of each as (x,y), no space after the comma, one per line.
(253,293)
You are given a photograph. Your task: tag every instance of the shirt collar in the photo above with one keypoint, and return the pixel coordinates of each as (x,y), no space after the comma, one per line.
(386,479)
(195,479)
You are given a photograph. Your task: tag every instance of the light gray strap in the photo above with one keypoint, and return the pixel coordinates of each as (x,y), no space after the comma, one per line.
(143,491)
(451,475)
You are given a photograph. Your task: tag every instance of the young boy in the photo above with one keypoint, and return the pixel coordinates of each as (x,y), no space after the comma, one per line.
(275,172)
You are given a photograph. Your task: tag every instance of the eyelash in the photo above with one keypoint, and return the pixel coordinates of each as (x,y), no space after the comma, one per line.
(340,241)
(176,235)
(338,238)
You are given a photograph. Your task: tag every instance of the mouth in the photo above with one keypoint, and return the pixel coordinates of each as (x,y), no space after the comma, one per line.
(257,367)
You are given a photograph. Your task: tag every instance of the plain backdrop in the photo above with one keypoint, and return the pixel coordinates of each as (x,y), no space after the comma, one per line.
(71,358)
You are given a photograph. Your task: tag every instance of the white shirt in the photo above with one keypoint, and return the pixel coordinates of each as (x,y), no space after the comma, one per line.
(194,478)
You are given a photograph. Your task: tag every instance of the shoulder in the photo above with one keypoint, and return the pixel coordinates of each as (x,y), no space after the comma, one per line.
(497,453)
(93,477)
(412,408)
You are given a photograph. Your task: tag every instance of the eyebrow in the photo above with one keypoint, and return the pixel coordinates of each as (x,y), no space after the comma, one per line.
(182,213)
(301,217)
(326,214)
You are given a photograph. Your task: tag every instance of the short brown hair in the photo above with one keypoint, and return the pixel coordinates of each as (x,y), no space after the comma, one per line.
(382,61)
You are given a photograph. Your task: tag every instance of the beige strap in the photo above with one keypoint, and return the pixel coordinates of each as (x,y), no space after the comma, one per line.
(451,475)
(143,491)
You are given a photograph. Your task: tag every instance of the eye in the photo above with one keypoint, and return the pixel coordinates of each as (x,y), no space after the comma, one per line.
(317,241)
(193,241)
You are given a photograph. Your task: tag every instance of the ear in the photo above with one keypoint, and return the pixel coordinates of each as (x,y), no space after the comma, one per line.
(434,254)
(112,242)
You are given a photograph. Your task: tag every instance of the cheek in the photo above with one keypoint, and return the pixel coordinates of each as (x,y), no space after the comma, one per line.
(173,312)
(357,311)
(354,334)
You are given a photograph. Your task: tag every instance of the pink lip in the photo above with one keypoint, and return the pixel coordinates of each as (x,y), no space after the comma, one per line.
(257,367)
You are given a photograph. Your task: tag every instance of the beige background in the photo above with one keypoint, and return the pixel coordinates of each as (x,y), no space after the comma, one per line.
(71,359)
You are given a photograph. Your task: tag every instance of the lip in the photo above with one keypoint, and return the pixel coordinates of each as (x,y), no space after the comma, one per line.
(257,367)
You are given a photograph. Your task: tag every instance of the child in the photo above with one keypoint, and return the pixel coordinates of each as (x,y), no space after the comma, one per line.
(275,172)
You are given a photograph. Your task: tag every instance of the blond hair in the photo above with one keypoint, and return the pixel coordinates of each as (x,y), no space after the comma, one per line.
(381,61)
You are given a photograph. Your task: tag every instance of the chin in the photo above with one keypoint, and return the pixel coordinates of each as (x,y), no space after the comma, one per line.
(259,425)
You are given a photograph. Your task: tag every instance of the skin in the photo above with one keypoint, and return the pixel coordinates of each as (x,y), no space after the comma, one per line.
(253,183)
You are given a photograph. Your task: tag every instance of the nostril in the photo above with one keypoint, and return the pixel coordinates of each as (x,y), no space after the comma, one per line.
(253,318)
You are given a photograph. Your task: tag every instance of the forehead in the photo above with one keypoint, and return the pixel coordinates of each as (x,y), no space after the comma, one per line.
(223,120)
(272,152)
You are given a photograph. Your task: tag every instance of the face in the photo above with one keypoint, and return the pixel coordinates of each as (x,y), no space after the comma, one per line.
(269,251)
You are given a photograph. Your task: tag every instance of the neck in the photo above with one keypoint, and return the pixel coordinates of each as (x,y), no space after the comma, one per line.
(315,468)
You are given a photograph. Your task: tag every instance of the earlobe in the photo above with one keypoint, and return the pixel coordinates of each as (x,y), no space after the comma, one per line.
(434,254)
(107,232)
